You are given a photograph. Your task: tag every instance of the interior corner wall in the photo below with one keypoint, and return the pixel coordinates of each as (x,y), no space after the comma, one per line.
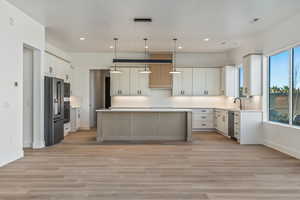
(17,29)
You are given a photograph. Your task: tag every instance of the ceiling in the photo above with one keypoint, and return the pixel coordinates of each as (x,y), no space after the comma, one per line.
(225,22)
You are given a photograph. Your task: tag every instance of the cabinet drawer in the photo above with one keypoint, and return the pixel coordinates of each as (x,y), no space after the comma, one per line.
(203,117)
(203,111)
(203,125)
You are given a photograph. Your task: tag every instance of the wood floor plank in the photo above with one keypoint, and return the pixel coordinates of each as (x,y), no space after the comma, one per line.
(211,168)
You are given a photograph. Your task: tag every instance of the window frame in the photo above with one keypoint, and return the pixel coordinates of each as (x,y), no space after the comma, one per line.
(290,51)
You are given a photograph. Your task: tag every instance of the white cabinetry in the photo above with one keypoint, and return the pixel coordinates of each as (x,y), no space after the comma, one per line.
(203,119)
(130,83)
(58,68)
(247,127)
(139,83)
(120,83)
(206,81)
(230,81)
(252,65)
(183,82)
(75,119)
(222,121)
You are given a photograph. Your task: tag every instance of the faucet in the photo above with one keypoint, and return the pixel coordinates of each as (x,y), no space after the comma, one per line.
(235,100)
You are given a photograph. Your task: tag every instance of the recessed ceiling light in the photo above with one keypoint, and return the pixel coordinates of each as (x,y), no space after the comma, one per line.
(180,47)
(82,38)
(254,20)
(206,39)
(111,47)
(146,47)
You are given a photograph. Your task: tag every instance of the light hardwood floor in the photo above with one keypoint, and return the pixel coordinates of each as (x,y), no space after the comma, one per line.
(213,167)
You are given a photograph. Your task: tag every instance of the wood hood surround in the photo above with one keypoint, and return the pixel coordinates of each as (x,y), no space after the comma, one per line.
(160,76)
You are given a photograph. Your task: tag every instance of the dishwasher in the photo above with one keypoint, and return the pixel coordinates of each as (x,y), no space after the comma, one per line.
(231,125)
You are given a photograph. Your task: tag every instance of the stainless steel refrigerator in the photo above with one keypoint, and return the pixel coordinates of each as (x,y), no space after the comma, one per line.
(54,111)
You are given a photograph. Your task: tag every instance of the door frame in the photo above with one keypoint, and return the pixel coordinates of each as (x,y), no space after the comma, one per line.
(38,140)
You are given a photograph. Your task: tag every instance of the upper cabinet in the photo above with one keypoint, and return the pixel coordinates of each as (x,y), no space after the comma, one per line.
(206,81)
(160,76)
(130,82)
(120,83)
(229,81)
(139,83)
(183,82)
(252,65)
(56,67)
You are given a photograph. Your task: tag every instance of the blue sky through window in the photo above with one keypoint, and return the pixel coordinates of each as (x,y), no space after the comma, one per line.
(279,69)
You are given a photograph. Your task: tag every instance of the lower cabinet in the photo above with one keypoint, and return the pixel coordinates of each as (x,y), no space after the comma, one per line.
(75,119)
(247,127)
(247,124)
(203,119)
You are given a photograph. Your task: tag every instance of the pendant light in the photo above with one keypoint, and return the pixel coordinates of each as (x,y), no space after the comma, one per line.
(115,71)
(174,71)
(146,69)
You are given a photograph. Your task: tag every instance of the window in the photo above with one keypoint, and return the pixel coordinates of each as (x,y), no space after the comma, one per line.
(296,86)
(279,66)
(241,81)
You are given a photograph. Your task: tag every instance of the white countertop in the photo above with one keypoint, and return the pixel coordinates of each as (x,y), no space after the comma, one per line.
(144,110)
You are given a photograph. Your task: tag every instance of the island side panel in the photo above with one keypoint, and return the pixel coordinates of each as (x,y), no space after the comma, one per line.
(99,136)
(116,126)
(189,126)
(172,126)
(145,126)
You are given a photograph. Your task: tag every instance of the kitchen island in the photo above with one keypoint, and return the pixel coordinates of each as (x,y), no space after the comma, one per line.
(144,125)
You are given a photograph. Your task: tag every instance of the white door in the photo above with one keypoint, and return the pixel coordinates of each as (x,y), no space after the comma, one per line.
(199,82)
(27,97)
(213,77)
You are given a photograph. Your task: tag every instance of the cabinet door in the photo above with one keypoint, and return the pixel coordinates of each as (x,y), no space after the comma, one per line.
(115,84)
(231,81)
(177,85)
(212,81)
(246,66)
(124,82)
(186,81)
(199,82)
(139,83)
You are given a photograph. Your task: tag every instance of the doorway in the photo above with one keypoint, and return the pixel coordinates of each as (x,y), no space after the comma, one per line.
(27,97)
(99,93)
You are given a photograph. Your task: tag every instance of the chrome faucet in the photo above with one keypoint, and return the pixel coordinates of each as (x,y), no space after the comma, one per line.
(235,100)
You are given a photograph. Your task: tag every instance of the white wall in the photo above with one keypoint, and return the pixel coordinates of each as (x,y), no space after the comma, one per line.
(279,37)
(16,28)
(83,62)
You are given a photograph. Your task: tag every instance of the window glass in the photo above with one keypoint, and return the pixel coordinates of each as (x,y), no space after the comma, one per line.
(279,87)
(296,86)
(241,81)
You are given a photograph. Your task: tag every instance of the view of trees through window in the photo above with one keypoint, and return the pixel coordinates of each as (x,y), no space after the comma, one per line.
(241,81)
(296,86)
(279,87)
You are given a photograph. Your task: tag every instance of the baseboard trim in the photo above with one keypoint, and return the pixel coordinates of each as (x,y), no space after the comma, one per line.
(283,149)
(12,158)
(27,144)
(38,145)
(84,128)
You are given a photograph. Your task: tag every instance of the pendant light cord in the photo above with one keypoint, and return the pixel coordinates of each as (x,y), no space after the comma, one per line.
(174,54)
(145,39)
(115,51)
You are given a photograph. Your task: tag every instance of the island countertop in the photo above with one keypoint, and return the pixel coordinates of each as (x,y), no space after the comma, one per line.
(144,110)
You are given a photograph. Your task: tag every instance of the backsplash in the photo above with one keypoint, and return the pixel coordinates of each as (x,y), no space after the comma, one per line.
(163,98)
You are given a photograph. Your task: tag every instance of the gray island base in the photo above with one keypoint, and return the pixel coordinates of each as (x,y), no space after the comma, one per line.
(144,125)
